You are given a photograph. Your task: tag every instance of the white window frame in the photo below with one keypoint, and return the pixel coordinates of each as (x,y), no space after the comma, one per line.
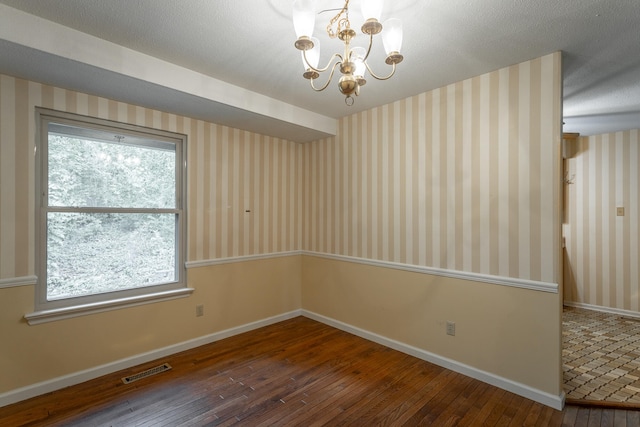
(50,310)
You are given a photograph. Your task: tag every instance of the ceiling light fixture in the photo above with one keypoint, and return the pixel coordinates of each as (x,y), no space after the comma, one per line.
(353,61)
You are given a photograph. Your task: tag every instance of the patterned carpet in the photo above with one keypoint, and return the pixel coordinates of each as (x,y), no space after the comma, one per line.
(601,356)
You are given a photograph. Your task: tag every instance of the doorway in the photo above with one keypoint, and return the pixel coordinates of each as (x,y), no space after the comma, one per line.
(601,327)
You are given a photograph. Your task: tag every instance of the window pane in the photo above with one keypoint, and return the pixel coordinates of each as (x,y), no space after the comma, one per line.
(90,173)
(92,253)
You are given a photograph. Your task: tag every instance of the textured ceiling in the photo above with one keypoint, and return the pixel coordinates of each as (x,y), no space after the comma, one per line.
(245,49)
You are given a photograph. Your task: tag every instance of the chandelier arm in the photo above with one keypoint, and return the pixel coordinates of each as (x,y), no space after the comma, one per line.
(368,49)
(393,71)
(322,70)
(333,70)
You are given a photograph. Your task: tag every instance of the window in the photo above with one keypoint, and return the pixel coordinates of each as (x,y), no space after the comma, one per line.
(111,214)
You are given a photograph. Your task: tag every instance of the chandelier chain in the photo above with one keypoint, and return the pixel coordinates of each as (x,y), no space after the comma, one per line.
(339,22)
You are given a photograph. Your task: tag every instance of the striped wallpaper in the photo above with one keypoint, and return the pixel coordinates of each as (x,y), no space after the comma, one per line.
(603,249)
(466,178)
(463,178)
(230,172)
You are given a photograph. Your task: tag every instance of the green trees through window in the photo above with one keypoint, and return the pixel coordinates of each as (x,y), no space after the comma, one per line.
(111,212)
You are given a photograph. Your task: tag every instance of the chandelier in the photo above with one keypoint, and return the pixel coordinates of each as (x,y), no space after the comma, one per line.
(353,60)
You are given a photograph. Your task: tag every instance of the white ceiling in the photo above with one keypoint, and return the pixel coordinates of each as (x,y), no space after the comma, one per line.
(233,62)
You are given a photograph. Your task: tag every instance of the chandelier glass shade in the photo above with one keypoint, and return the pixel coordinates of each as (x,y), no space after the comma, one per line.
(352,62)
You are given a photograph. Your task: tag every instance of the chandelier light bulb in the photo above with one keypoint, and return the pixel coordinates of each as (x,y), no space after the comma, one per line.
(392,35)
(304,17)
(392,40)
(371,9)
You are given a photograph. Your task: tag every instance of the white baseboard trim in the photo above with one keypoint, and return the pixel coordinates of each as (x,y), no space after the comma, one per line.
(556,402)
(13,396)
(38,389)
(619,311)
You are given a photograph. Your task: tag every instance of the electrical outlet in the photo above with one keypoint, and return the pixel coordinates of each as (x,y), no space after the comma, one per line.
(620,211)
(451,328)
(199,310)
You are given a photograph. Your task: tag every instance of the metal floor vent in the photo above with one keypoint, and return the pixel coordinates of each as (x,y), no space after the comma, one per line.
(147,373)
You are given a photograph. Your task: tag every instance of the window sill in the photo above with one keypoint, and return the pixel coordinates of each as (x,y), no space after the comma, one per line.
(45,316)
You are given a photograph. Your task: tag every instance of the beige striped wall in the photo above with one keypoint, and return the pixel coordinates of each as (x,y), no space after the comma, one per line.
(602,249)
(462,178)
(229,172)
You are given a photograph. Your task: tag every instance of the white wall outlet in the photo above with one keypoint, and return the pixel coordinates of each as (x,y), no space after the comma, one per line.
(451,328)
(199,310)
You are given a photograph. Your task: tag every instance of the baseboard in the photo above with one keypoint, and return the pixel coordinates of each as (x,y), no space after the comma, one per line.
(610,310)
(13,396)
(556,402)
(48,386)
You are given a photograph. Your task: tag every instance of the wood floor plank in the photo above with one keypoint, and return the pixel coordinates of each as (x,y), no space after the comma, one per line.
(633,418)
(582,419)
(499,409)
(595,418)
(470,403)
(296,373)
(619,418)
(519,417)
(340,368)
(486,409)
(375,408)
(474,415)
(374,404)
(438,413)
(546,415)
(556,418)
(569,418)
(508,414)
(607,418)
(364,379)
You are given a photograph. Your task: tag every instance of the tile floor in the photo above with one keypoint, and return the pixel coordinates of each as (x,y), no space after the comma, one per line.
(600,356)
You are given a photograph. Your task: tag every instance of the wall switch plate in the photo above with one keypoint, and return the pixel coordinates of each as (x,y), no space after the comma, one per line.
(199,310)
(451,328)
(620,211)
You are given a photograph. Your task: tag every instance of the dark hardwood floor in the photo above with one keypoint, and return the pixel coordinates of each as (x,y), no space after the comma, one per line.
(298,373)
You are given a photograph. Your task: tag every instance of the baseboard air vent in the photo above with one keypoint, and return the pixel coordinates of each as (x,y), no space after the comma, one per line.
(147,373)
